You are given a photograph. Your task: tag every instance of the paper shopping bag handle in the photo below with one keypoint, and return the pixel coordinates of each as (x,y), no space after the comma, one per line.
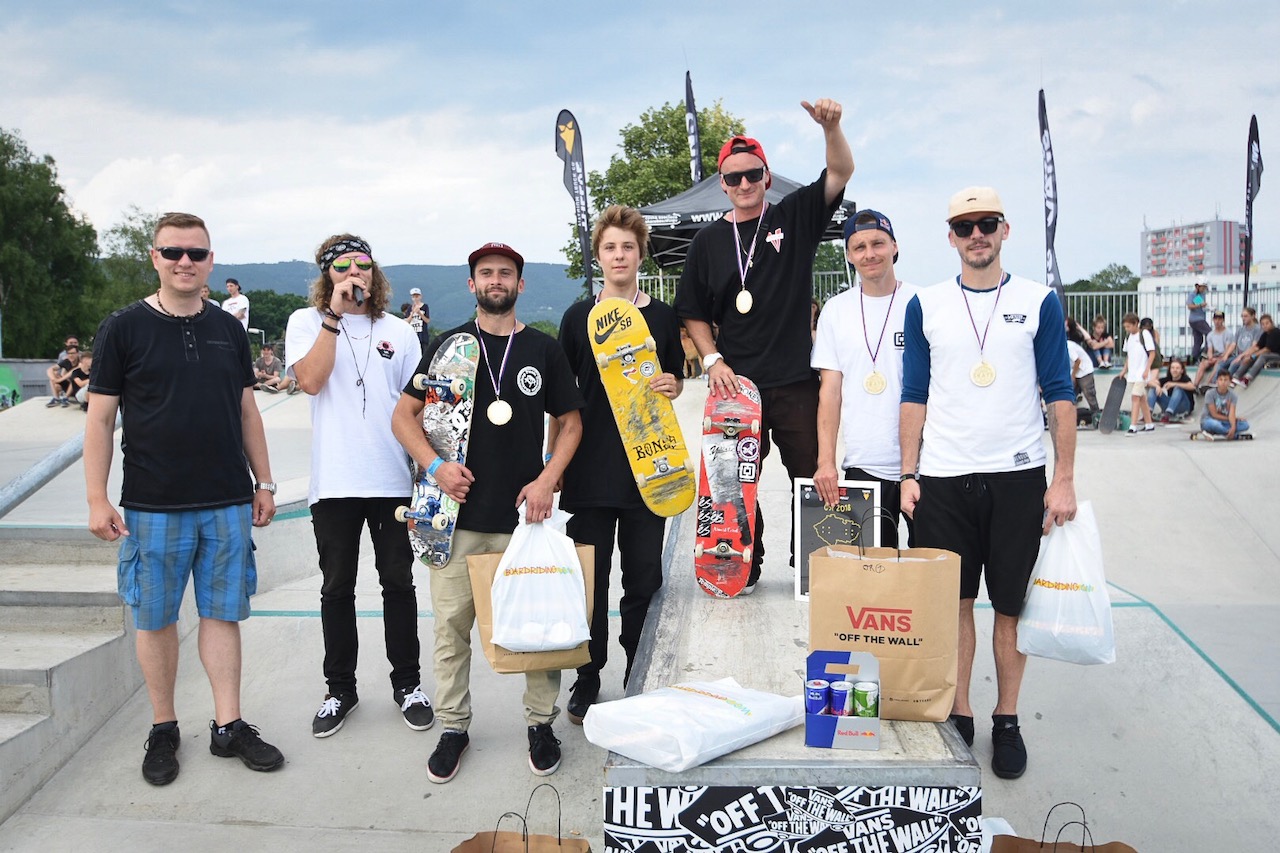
(879,513)
(1084,830)
(524,830)
(559,814)
(1044,830)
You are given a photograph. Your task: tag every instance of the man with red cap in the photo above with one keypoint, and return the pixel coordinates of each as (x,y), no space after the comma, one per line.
(750,275)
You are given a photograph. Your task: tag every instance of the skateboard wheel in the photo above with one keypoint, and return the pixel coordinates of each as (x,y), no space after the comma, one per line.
(746,554)
(697,551)
(439,522)
(420,381)
(755,427)
(650,345)
(688,465)
(602,360)
(457,386)
(640,481)
(706,424)
(402,514)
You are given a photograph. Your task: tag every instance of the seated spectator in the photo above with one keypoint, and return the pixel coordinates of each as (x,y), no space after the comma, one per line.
(1176,394)
(1101,343)
(1082,373)
(1264,353)
(60,377)
(269,371)
(1219,345)
(1246,337)
(79,380)
(1219,418)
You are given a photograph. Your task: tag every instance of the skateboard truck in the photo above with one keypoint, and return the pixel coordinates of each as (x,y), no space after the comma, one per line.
(722,550)
(626,353)
(455,386)
(731,426)
(663,469)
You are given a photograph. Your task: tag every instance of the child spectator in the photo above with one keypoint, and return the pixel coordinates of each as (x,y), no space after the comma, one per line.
(1101,343)
(1139,353)
(78,380)
(1176,393)
(1219,418)
(1081,369)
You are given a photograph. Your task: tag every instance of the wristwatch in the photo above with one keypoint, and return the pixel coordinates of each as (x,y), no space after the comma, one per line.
(270,487)
(906,477)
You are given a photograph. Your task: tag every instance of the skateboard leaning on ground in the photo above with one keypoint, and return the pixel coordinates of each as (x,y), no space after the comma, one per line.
(1111,409)
(627,359)
(450,383)
(1204,436)
(725,533)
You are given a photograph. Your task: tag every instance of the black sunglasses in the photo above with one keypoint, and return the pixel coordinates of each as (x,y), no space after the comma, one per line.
(754,176)
(987,225)
(175,253)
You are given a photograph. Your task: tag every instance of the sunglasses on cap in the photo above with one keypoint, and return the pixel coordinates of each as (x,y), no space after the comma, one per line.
(987,225)
(364,262)
(175,253)
(753,176)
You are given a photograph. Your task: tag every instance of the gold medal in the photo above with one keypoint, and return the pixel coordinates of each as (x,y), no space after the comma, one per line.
(499,412)
(744,301)
(983,374)
(875,383)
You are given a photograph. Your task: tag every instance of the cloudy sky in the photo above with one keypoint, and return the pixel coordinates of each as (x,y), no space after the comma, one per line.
(429,127)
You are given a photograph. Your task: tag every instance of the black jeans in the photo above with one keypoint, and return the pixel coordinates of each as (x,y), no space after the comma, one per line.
(337,523)
(790,414)
(639,534)
(1199,329)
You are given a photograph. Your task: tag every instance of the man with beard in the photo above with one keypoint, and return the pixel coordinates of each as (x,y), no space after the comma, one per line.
(352,357)
(523,376)
(980,350)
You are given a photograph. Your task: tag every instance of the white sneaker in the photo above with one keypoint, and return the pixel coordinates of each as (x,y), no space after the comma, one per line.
(1150,427)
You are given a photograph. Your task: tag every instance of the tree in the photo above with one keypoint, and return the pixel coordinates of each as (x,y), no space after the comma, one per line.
(269,311)
(654,164)
(1113,277)
(126,266)
(47,255)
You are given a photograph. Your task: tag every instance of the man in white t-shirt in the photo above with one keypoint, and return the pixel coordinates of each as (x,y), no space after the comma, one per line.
(236,303)
(858,352)
(353,358)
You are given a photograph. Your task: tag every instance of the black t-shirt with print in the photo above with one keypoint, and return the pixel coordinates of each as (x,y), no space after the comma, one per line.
(771,343)
(504,459)
(599,474)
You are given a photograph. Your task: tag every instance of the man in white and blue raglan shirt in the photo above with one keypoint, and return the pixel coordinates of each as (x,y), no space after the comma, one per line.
(981,350)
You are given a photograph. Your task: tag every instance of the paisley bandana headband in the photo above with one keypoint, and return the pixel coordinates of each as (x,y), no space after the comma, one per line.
(340,248)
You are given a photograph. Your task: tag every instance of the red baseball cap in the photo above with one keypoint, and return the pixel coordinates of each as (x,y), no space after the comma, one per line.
(496,249)
(741,145)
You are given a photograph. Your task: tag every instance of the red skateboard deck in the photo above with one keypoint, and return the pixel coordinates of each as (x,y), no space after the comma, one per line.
(730,470)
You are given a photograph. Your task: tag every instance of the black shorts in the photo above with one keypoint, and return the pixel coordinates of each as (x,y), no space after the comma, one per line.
(992,521)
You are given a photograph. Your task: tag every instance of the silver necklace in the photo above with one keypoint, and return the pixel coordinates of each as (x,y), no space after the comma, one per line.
(364,390)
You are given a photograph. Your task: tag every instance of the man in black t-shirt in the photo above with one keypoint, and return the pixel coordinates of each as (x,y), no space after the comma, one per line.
(523,376)
(599,488)
(60,377)
(751,275)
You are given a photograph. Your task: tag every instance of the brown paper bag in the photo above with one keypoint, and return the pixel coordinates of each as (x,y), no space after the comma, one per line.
(503,841)
(482,568)
(901,606)
(1051,841)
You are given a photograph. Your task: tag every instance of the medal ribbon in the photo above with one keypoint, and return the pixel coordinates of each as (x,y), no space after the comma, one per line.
(488,365)
(982,339)
(880,340)
(744,265)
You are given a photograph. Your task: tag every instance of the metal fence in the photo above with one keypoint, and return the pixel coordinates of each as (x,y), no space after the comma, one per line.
(1166,308)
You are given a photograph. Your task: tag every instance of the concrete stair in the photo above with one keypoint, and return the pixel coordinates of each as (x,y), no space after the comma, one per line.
(66,653)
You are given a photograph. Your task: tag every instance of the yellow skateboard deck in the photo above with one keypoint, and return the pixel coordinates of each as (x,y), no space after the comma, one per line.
(627,359)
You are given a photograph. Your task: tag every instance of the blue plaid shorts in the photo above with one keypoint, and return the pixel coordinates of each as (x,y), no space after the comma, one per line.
(213,546)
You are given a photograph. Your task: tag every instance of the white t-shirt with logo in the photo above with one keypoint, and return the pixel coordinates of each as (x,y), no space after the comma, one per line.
(239,302)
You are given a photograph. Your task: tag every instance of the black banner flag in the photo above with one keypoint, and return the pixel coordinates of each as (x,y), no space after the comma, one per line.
(1253,183)
(1052,278)
(691,124)
(569,149)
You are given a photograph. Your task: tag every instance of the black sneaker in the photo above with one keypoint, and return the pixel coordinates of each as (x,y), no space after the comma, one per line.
(416,708)
(53,401)
(160,764)
(1009,753)
(241,740)
(333,713)
(964,725)
(583,695)
(443,764)
(544,750)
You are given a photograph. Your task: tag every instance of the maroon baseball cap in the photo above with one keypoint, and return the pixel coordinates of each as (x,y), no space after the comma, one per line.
(496,249)
(741,145)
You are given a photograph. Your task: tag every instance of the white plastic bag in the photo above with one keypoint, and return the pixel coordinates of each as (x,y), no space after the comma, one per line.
(678,727)
(1067,614)
(539,596)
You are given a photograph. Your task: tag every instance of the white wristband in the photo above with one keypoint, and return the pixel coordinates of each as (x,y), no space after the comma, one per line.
(712,358)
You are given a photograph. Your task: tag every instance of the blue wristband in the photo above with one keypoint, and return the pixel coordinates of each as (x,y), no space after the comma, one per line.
(434,466)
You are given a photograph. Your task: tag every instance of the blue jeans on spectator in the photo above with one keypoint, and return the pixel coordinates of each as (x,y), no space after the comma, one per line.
(1100,356)
(1217,426)
(1176,402)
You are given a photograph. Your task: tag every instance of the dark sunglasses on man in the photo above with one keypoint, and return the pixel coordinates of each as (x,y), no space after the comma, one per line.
(753,176)
(175,253)
(987,225)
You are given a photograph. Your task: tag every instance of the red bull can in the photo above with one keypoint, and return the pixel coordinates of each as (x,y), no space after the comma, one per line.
(866,699)
(817,696)
(842,698)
